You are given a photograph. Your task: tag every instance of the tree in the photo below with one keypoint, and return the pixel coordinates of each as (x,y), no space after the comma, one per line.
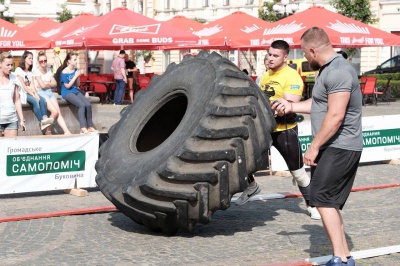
(267,13)
(6,18)
(200,20)
(356,9)
(65,14)
(359,10)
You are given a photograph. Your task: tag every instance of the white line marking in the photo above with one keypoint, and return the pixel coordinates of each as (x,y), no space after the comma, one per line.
(362,254)
(261,197)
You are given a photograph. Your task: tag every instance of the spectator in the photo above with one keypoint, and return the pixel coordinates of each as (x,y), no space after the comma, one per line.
(119,68)
(28,92)
(130,69)
(69,91)
(266,69)
(57,59)
(44,82)
(294,66)
(283,82)
(335,150)
(11,107)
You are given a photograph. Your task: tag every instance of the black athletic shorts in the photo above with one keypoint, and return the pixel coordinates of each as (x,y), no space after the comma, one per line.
(333,177)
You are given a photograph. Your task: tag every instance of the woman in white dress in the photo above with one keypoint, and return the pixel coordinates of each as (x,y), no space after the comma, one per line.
(10,103)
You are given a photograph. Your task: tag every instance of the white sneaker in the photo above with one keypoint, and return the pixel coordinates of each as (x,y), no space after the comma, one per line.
(247,194)
(314,213)
(47,121)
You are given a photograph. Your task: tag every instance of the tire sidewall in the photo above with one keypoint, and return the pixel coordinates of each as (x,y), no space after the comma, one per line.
(183,79)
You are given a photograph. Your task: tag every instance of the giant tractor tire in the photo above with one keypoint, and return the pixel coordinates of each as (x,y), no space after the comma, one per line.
(186,145)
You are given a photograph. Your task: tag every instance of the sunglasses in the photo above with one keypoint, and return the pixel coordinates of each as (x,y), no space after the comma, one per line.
(42,61)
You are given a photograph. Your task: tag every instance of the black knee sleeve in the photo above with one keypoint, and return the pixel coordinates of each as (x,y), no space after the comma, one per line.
(305,191)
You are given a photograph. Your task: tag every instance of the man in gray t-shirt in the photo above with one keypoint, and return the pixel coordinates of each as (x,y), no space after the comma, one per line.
(336,147)
(337,75)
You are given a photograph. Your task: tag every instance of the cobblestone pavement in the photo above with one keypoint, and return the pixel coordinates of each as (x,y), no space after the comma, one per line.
(257,233)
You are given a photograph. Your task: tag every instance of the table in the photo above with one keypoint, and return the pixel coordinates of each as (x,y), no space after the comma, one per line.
(85,85)
(108,84)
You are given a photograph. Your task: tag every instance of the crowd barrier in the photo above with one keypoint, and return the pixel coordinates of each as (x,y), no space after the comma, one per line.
(33,162)
(58,162)
(43,163)
(381,138)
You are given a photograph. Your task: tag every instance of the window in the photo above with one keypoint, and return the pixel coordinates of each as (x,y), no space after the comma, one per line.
(185,4)
(249,2)
(390,63)
(305,67)
(140,7)
(226,2)
(205,3)
(166,4)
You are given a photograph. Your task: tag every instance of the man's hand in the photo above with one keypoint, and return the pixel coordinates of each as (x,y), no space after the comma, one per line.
(310,155)
(281,107)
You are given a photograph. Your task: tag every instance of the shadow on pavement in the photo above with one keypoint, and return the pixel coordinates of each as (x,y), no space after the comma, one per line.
(319,242)
(233,220)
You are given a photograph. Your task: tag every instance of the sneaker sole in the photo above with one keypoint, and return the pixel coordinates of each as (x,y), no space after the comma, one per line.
(43,127)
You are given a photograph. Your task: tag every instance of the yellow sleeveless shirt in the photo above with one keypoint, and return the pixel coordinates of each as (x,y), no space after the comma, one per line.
(277,83)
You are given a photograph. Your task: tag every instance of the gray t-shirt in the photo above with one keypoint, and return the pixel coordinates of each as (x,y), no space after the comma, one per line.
(338,75)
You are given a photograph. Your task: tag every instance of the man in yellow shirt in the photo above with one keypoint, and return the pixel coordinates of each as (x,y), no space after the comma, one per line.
(282,81)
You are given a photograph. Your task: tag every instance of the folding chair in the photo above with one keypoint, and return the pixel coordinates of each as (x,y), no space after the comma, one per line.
(368,88)
(144,81)
(150,75)
(100,88)
(384,91)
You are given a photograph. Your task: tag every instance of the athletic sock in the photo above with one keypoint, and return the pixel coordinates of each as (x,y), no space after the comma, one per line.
(250,178)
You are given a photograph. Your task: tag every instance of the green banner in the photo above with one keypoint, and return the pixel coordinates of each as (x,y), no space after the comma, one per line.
(384,137)
(43,163)
(372,138)
(305,142)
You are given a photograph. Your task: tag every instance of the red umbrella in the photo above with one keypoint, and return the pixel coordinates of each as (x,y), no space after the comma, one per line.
(230,31)
(13,37)
(343,32)
(183,23)
(42,25)
(69,34)
(123,28)
(116,29)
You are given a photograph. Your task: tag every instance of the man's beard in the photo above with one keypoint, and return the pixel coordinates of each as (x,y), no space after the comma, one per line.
(314,65)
